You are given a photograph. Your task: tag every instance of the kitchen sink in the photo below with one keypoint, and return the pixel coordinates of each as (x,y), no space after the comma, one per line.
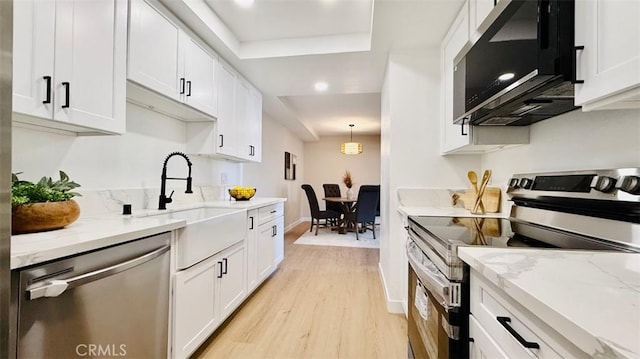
(194,214)
(208,231)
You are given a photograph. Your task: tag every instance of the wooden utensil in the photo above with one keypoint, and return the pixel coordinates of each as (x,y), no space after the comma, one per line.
(473,178)
(483,185)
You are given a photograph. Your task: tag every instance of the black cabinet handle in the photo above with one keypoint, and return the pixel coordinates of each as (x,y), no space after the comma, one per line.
(251,152)
(188,88)
(182,85)
(273,231)
(67,93)
(221,141)
(220,269)
(504,321)
(544,11)
(251,218)
(462,127)
(48,80)
(224,271)
(574,64)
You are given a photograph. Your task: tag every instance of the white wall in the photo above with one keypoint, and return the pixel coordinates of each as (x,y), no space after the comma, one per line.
(268,176)
(576,140)
(328,165)
(410,154)
(132,160)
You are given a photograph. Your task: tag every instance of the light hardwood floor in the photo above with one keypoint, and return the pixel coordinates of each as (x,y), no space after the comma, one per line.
(322,302)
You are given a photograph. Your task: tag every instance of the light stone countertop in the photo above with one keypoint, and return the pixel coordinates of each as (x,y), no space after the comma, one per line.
(590,297)
(90,233)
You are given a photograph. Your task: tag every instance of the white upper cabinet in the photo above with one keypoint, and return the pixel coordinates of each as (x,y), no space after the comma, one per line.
(70,73)
(249,121)
(242,121)
(478,12)
(226,141)
(154,61)
(254,130)
(609,63)
(237,132)
(165,59)
(199,76)
(465,139)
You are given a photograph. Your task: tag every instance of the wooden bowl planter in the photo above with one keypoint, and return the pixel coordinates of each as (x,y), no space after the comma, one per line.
(44,216)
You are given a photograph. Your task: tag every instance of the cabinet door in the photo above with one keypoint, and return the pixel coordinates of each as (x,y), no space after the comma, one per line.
(225,125)
(478,11)
(482,345)
(252,249)
(453,136)
(33,43)
(154,59)
(90,63)
(233,288)
(195,314)
(266,248)
(278,241)
(242,123)
(254,124)
(199,72)
(610,61)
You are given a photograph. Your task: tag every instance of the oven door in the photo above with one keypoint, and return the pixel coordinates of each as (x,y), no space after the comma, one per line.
(436,327)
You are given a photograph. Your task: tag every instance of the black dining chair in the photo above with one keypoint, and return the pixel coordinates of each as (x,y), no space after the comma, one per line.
(332,190)
(316,213)
(368,198)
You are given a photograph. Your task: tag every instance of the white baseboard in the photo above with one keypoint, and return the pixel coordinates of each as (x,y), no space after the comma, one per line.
(393,306)
(290,227)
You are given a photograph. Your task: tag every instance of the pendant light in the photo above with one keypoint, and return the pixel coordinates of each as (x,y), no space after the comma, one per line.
(351,148)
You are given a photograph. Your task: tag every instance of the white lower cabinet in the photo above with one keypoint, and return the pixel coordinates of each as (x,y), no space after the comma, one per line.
(205,294)
(252,249)
(265,242)
(483,346)
(500,327)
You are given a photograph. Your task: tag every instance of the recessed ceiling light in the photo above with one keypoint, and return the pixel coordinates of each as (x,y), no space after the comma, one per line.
(244,3)
(321,86)
(507,76)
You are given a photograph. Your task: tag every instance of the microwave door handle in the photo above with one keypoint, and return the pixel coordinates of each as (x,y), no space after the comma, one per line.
(55,287)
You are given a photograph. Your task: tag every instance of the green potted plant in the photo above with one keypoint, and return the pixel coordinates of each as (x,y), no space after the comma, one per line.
(42,206)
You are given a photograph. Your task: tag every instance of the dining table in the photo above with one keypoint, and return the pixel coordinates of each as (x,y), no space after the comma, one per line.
(348,221)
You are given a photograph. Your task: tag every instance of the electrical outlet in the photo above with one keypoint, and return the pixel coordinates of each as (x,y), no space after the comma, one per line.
(223,178)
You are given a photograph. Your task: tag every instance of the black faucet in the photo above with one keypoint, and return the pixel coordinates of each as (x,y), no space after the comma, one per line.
(163,186)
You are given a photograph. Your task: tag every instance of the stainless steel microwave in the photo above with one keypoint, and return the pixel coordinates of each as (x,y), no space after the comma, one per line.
(522,69)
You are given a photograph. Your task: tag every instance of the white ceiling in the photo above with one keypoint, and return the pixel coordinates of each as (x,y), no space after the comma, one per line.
(284,46)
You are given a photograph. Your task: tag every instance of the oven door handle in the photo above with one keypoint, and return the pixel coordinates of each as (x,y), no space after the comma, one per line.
(429,275)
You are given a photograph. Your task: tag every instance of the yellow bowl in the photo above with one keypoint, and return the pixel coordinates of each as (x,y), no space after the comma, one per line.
(244,194)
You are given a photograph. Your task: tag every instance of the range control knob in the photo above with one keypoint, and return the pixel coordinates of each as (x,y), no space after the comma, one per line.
(514,183)
(526,183)
(629,184)
(604,184)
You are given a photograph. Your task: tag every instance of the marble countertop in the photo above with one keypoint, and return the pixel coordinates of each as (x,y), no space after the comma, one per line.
(90,233)
(592,298)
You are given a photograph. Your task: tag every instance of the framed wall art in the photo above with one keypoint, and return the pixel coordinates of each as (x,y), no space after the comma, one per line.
(289,166)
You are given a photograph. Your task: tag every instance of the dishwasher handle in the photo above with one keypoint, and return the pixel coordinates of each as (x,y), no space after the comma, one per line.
(55,287)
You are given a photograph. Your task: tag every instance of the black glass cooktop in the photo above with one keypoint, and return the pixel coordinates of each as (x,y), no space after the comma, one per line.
(494,232)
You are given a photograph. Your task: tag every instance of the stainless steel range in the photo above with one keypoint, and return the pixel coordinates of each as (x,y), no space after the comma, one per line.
(592,210)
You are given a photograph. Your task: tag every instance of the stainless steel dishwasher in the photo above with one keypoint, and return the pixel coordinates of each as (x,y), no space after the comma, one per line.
(112,302)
